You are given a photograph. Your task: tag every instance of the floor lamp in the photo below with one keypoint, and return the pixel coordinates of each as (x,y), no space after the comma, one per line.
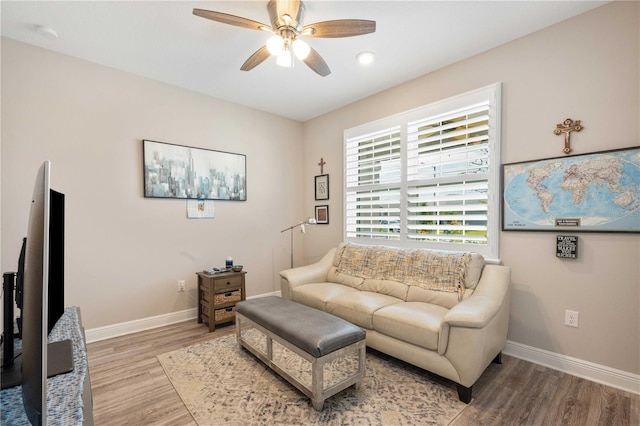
(309,221)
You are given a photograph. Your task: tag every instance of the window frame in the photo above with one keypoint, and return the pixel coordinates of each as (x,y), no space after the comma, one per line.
(492,94)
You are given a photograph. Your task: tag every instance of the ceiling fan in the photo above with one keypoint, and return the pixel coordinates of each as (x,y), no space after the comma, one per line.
(286,24)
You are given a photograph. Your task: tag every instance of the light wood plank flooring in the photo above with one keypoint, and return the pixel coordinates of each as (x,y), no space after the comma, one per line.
(130,388)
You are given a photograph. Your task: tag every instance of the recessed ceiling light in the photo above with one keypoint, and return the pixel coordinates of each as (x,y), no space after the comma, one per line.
(365,58)
(46,32)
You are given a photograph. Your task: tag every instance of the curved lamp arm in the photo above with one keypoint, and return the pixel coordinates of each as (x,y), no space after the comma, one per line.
(308,221)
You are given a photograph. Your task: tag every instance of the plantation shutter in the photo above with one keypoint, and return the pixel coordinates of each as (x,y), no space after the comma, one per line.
(372,179)
(448,176)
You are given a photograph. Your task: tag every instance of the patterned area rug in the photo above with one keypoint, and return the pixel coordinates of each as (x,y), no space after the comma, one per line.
(221,383)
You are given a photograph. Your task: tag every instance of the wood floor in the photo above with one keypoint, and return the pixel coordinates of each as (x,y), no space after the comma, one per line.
(130,388)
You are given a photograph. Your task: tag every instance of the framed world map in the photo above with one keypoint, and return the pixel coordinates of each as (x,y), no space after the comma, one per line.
(597,192)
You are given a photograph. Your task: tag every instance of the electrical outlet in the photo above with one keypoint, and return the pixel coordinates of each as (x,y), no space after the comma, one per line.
(181,285)
(571,318)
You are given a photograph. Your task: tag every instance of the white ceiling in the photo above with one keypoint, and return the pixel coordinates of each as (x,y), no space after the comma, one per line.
(164,41)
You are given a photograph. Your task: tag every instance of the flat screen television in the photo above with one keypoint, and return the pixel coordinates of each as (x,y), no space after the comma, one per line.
(43,297)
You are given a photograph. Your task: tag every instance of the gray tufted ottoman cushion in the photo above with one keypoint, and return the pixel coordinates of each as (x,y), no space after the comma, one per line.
(315,332)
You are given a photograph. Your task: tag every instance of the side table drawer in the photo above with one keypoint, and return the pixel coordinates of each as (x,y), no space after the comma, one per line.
(225,314)
(228,297)
(228,283)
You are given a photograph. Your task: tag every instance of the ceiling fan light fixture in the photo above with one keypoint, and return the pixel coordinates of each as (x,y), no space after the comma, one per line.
(275,45)
(284,58)
(301,49)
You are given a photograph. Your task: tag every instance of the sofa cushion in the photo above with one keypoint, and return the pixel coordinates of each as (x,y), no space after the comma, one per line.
(317,294)
(333,276)
(413,322)
(390,288)
(441,298)
(358,307)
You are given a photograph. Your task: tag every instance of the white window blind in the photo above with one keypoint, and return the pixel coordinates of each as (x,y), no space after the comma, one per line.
(372,180)
(448,179)
(427,177)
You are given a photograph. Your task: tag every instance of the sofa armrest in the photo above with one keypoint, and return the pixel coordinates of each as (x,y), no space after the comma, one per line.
(474,332)
(487,299)
(313,273)
(491,299)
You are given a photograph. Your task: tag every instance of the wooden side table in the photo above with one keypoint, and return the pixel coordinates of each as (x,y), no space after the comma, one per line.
(218,295)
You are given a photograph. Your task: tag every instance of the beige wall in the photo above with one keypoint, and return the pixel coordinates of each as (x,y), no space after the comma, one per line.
(125,253)
(585,68)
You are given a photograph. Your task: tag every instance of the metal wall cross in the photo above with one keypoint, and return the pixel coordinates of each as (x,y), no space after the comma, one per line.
(321,164)
(567,127)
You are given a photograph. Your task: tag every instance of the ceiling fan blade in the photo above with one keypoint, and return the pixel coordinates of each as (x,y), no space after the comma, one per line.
(316,63)
(225,18)
(339,28)
(256,59)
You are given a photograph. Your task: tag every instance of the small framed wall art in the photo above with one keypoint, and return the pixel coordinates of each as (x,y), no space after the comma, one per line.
(322,215)
(322,187)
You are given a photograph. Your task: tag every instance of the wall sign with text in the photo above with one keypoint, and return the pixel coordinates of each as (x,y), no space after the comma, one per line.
(567,246)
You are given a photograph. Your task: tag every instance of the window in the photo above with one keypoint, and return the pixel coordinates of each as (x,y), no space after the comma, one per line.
(427,177)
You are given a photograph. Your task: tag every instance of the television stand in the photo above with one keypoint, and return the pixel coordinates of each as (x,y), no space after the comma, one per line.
(59,358)
(59,361)
(70,394)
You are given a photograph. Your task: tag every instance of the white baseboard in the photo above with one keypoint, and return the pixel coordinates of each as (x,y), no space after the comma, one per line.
(115,330)
(123,328)
(615,378)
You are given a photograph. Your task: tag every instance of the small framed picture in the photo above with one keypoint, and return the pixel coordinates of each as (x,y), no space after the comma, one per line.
(322,187)
(322,215)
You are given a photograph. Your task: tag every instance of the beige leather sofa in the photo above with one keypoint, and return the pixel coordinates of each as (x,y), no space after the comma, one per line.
(446,312)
